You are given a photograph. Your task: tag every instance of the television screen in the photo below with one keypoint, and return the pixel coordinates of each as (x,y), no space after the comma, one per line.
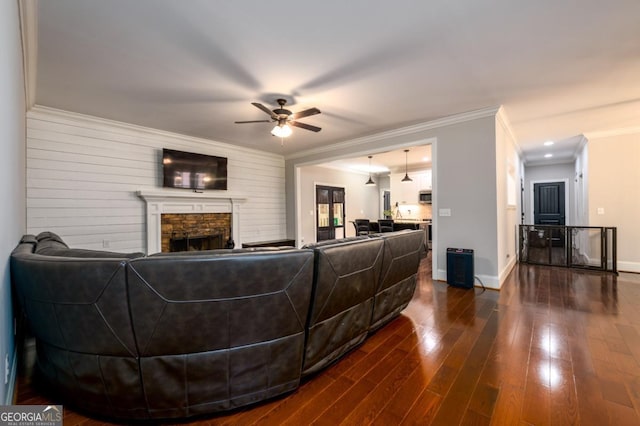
(193,171)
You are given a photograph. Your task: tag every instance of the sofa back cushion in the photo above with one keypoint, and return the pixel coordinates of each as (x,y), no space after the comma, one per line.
(50,244)
(76,304)
(49,236)
(402,253)
(334,242)
(229,325)
(345,280)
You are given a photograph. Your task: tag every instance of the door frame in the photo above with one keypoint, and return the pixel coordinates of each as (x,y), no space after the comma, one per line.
(567,216)
(361,151)
(315,204)
(315,210)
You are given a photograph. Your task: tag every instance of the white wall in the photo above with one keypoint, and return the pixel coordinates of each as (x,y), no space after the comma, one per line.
(466,165)
(361,201)
(508,175)
(12,214)
(83,172)
(614,187)
(581,192)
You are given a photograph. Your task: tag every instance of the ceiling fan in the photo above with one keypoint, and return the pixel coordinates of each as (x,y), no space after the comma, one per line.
(284,118)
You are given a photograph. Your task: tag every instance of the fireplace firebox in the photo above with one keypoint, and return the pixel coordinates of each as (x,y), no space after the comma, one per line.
(188,242)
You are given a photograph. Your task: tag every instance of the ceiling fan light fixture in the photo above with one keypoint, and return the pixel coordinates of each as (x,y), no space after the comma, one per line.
(281,131)
(283,116)
(406,177)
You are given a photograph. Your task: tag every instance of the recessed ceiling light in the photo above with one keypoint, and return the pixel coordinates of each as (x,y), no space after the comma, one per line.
(548,155)
(548,143)
(425,158)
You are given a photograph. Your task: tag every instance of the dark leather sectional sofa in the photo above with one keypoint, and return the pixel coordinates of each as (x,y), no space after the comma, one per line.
(181,334)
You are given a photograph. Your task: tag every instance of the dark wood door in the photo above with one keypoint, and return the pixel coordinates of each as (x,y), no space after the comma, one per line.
(548,209)
(330,212)
(548,203)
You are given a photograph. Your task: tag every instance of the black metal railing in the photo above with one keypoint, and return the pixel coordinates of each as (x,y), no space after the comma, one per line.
(588,247)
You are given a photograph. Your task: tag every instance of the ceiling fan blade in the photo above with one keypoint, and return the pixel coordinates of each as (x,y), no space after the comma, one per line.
(305,113)
(253,121)
(265,109)
(305,126)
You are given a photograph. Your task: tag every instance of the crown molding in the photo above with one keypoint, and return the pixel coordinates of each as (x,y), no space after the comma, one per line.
(44,112)
(501,116)
(28,10)
(613,132)
(402,131)
(583,142)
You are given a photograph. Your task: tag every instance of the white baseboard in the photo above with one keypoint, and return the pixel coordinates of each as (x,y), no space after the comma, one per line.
(621,266)
(507,269)
(489,281)
(629,267)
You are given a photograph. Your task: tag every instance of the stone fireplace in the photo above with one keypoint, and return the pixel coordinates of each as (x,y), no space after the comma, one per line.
(194,231)
(195,221)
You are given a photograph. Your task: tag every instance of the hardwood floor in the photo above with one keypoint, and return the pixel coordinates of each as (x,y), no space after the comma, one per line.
(553,347)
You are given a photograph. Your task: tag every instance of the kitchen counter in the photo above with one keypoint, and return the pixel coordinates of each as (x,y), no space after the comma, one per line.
(425,224)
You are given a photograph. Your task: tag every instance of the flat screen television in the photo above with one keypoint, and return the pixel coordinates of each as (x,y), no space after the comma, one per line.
(193,171)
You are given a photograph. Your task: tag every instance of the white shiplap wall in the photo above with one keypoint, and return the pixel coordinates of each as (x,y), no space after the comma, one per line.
(83,173)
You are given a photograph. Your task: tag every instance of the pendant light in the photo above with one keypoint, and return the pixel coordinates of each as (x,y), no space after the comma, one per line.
(406,177)
(370,181)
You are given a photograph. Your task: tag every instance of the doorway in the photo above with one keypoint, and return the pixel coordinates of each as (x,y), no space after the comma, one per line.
(549,209)
(386,204)
(549,203)
(330,212)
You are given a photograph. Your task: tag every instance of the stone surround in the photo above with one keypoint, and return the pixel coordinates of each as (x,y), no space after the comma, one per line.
(183,226)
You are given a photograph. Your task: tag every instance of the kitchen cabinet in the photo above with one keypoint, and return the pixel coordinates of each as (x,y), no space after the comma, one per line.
(407,192)
(424,180)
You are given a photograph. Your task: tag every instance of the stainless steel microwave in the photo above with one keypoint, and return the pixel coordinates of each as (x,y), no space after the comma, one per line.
(424,197)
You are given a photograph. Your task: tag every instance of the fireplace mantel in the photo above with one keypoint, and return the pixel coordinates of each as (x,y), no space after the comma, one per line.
(159,202)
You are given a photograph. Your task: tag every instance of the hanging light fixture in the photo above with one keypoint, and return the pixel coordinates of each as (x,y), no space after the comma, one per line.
(370,181)
(406,177)
(281,130)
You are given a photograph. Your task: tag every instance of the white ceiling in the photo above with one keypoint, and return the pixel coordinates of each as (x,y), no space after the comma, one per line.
(560,68)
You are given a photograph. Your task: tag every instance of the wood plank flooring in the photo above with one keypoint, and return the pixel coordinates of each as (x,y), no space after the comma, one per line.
(553,347)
